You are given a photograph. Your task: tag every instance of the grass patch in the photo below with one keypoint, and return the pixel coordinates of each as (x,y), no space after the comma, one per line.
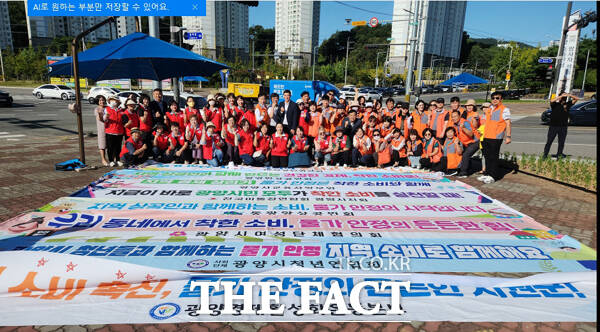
(579,172)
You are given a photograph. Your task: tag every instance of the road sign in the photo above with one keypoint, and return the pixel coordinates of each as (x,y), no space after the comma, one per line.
(373,22)
(192,35)
(359,23)
(545,60)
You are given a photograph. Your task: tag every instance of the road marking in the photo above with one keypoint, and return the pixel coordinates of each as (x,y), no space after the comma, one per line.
(517,118)
(568,144)
(10,136)
(48,114)
(3,132)
(13,139)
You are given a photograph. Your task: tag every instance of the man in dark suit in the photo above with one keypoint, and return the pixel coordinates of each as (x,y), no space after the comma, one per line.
(158,107)
(288,113)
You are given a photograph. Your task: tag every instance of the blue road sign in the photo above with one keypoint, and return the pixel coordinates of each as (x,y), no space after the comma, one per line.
(114,8)
(192,35)
(545,60)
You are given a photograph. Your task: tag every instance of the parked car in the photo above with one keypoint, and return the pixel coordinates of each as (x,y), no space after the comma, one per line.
(5,99)
(198,100)
(583,113)
(98,91)
(444,88)
(399,90)
(54,91)
(369,94)
(124,94)
(347,93)
(386,92)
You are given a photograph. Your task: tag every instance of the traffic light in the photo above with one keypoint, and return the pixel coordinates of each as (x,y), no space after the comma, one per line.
(549,73)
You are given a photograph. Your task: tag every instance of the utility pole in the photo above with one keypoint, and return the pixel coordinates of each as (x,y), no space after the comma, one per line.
(377,69)
(582,84)
(411,57)
(252,40)
(422,32)
(563,36)
(450,71)
(4,78)
(153,32)
(346,68)
(175,80)
(509,63)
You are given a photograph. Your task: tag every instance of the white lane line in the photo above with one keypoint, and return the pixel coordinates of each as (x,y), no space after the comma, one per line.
(3,132)
(10,136)
(578,144)
(48,114)
(13,139)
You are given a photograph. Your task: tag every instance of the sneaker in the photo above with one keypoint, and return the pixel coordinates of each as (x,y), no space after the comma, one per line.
(488,179)
(462,175)
(325,164)
(481,177)
(112,164)
(453,173)
(231,164)
(119,163)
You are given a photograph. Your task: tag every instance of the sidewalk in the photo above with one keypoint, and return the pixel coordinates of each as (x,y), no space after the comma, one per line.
(28,181)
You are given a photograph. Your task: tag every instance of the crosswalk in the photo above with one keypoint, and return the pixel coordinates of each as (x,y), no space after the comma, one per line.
(5,135)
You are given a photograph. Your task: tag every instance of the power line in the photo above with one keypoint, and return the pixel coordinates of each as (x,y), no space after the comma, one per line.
(365,10)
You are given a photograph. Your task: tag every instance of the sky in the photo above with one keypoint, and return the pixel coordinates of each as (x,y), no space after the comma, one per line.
(531,22)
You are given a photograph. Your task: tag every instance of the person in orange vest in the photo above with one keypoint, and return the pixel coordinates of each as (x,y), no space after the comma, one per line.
(414,149)
(402,118)
(370,126)
(261,113)
(439,119)
(386,126)
(362,152)
(420,117)
(340,155)
(338,115)
(455,106)
(432,150)
(398,143)
(323,147)
(452,151)
(389,107)
(133,151)
(497,128)
(467,134)
(381,147)
(473,117)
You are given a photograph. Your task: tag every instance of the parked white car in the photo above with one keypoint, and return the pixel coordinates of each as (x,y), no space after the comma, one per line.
(347,92)
(98,91)
(370,94)
(123,95)
(54,91)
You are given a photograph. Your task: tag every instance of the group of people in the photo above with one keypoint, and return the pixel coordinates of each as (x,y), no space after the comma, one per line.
(304,133)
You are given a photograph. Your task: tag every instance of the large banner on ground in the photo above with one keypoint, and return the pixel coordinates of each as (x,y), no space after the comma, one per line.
(164,228)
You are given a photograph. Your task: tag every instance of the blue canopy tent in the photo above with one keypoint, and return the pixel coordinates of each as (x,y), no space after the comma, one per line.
(137,56)
(464,78)
(194,79)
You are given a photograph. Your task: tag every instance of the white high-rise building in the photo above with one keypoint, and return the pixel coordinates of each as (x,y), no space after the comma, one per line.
(297,28)
(443,27)
(224,26)
(5,32)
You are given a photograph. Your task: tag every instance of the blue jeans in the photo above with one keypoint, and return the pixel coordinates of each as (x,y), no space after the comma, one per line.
(320,157)
(247,159)
(414,161)
(217,158)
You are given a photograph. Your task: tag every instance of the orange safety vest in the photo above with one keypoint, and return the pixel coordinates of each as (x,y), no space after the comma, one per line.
(494,123)
(473,118)
(437,122)
(396,143)
(384,131)
(420,121)
(428,148)
(398,123)
(451,153)
(462,137)
(384,156)
(362,148)
(265,115)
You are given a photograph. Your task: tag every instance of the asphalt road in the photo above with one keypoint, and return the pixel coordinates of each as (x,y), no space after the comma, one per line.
(32,118)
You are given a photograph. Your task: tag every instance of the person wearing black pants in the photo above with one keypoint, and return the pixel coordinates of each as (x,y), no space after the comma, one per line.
(559,122)
(497,129)
(491,152)
(279,161)
(113,147)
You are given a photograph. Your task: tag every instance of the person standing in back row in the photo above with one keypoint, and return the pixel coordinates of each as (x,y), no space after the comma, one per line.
(559,122)
(497,128)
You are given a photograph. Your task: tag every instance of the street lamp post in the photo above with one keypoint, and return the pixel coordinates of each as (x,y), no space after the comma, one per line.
(509,63)
(346,67)
(433,66)
(252,41)
(377,69)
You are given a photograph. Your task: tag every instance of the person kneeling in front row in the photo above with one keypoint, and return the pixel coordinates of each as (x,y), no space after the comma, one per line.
(133,151)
